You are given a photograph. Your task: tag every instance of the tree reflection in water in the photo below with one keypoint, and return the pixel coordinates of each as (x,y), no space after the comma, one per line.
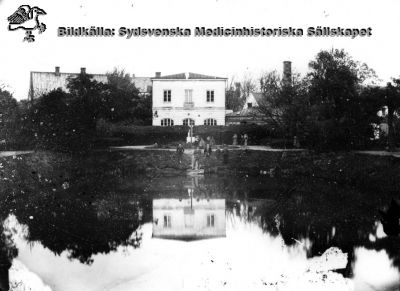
(72,205)
(91,205)
(8,251)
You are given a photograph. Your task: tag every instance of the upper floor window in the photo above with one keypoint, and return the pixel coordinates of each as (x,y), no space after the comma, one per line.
(167,122)
(210,95)
(188,96)
(167,95)
(210,220)
(167,221)
(210,121)
(188,121)
(189,220)
(249,105)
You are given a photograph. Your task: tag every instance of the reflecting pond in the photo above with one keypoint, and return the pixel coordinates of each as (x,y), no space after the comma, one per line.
(88,224)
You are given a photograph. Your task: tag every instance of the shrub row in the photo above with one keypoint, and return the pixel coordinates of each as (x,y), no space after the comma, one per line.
(145,135)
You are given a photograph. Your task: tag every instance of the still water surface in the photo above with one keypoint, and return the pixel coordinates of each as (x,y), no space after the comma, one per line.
(91,226)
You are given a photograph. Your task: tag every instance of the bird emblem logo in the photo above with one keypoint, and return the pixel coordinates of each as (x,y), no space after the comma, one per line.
(27,18)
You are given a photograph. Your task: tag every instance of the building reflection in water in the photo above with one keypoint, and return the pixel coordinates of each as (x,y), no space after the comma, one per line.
(189,218)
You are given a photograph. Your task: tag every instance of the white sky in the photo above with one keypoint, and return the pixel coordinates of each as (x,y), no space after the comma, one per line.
(225,56)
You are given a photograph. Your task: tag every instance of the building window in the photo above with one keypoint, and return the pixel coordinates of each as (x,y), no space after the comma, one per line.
(210,220)
(210,121)
(189,220)
(188,96)
(249,105)
(210,96)
(167,122)
(167,95)
(188,121)
(167,221)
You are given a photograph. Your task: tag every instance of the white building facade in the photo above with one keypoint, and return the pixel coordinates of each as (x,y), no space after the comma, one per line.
(188,218)
(188,99)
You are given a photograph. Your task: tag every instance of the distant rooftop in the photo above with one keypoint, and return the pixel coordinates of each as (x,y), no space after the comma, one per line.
(187,76)
(246,112)
(43,82)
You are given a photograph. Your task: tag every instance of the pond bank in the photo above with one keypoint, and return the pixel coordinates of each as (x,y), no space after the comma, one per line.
(369,172)
(339,167)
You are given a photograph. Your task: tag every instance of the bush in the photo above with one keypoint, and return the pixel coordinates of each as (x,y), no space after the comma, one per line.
(145,135)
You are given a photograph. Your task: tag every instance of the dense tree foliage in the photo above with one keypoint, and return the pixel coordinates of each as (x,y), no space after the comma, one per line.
(285,106)
(392,101)
(67,120)
(233,97)
(333,106)
(9,118)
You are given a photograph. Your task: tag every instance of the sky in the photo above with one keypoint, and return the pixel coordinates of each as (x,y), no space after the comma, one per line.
(219,56)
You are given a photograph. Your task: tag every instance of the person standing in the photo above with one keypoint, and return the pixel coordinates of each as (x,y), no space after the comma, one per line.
(212,143)
(207,148)
(195,158)
(245,139)
(179,151)
(202,143)
(225,155)
(234,139)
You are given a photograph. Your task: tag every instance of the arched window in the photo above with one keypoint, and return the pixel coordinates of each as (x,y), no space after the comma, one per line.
(167,122)
(210,121)
(188,121)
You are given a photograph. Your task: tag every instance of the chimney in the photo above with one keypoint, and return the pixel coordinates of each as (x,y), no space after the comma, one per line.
(83,70)
(158,74)
(57,71)
(287,73)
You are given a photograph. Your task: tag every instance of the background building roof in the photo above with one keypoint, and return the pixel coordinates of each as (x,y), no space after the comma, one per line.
(186,76)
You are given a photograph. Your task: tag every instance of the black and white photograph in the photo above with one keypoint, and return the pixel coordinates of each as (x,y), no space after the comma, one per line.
(179,145)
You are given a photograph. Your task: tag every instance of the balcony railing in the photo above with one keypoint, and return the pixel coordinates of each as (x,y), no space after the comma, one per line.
(188,105)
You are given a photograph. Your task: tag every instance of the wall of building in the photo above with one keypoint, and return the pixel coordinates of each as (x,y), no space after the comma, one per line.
(175,208)
(250,99)
(44,82)
(201,109)
(198,115)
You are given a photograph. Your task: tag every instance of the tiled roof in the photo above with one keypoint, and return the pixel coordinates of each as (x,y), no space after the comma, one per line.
(246,112)
(191,76)
(258,96)
(200,76)
(175,76)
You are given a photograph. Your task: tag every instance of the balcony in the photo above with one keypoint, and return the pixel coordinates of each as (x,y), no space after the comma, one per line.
(188,105)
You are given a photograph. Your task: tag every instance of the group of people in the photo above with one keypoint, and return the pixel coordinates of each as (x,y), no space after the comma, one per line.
(205,146)
(244,137)
(201,146)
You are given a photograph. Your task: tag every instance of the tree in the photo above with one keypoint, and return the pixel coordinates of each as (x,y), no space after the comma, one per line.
(234,100)
(121,98)
(141,113)
(9,117)
(247,85)
(392,101)
(336,81)
(68,120)
(85,100)
(284,105)
(121,80)
(371,100)
(53,122)
(271,103)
